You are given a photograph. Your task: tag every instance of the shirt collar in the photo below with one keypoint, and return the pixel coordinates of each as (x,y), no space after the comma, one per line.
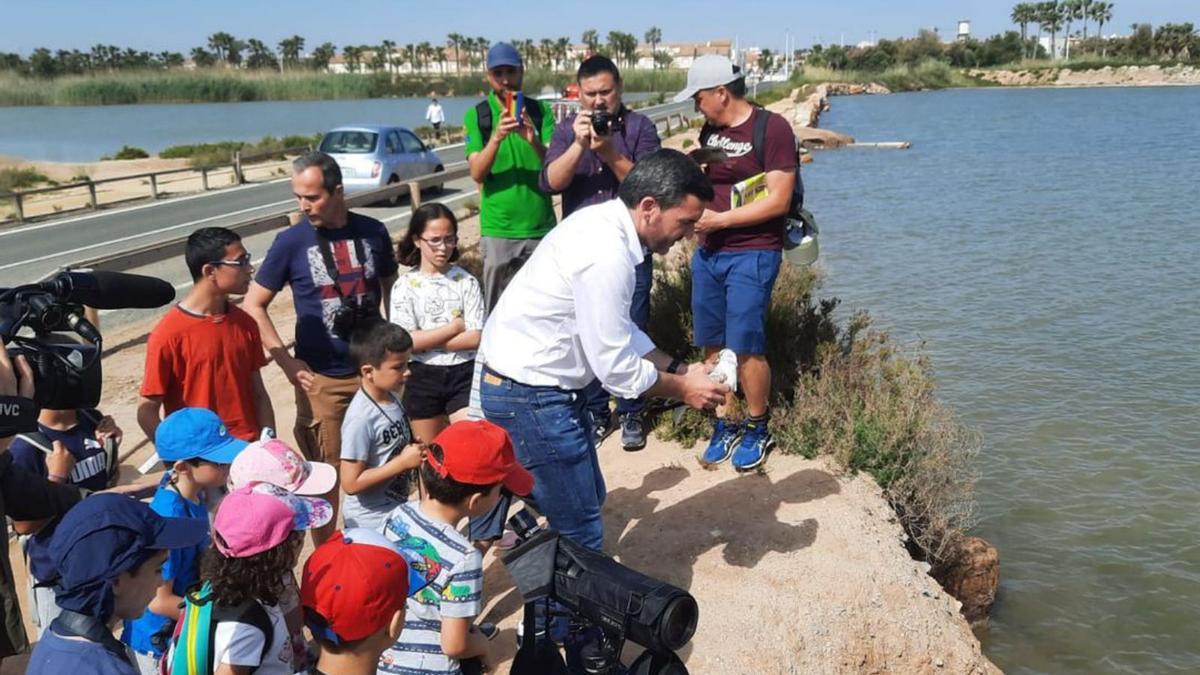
(636,249)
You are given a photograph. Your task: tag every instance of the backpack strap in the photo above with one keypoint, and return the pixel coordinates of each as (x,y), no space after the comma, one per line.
(536,115)
(38,440)
(483,115)
(761,117)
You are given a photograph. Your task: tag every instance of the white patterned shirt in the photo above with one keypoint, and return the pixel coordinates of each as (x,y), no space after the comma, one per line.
(423,301)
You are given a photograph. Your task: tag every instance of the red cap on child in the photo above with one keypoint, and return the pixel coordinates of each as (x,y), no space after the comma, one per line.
(355,583)
(477,452)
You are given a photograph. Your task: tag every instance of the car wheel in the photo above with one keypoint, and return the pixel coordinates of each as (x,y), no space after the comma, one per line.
(394,200)
(440,187)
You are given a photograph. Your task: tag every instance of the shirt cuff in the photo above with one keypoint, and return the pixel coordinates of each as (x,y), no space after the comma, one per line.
(642,344)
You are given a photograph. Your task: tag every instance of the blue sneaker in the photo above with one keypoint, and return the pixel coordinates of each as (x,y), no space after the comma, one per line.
(752,450)
(724,440)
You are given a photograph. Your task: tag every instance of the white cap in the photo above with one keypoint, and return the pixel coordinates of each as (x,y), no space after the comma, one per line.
(708,71)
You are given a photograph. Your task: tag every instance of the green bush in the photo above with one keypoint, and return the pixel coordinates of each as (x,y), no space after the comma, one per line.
(17,179)
(221,152)
(843,389)
(131,152)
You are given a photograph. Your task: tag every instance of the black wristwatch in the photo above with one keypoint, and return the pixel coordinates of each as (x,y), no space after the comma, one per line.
(674,367)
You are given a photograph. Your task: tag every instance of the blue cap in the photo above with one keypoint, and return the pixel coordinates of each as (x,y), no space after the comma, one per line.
(504,54)
(106,535)
(196,433)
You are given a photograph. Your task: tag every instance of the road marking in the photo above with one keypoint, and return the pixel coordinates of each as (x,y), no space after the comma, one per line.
(110,242)
(123,210)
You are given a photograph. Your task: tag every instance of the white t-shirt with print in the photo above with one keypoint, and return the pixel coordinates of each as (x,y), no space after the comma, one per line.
(423,301)
(240,644)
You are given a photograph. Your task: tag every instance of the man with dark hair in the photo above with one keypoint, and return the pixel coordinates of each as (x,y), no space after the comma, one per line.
(590,154)
(741,244)
(206,352)
(565,322)
(505,148)
(340,266)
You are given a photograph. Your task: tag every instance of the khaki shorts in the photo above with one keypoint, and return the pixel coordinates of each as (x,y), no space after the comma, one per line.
(319,416)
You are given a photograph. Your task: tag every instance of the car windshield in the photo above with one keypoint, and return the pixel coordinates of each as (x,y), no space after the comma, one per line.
(344,142)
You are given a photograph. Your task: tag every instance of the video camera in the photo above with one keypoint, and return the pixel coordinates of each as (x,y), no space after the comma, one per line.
(600,592)
(64,350)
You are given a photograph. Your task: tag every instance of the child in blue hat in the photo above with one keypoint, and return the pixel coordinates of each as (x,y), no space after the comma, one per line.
(108,553)
(196,449)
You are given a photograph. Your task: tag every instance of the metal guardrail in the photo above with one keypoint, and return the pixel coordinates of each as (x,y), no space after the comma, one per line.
(236,163)
(165,250)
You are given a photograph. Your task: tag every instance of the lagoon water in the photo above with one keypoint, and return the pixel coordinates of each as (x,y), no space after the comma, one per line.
(1044,244)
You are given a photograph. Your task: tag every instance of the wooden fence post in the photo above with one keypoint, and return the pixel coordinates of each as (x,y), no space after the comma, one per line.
(414,195)
(19,207)
(92,195)
(204,177)
(153,186)
(238,176)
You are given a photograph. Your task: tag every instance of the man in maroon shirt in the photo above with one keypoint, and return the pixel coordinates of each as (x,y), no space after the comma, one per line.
(740,247)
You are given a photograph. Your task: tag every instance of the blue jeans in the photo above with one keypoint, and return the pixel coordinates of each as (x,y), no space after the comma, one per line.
(639,311)
(552,438)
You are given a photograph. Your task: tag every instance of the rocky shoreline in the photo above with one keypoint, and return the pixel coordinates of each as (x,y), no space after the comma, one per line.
(1108,76)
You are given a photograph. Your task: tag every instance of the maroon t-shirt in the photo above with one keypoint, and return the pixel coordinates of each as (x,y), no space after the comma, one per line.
(743,163)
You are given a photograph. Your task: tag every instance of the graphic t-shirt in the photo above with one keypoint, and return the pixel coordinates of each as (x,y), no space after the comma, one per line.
(295,258)
(90,473)
(423,301)
(455,570)
(737,142)
(511,204)
(199,361)
(372,433)
(182,568)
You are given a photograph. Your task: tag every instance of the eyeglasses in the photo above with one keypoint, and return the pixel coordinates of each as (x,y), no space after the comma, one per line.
(241,261)
(437,242)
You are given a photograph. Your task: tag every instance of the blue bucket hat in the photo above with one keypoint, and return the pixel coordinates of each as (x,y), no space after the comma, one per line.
(104,536)
(504,54)
(196,433)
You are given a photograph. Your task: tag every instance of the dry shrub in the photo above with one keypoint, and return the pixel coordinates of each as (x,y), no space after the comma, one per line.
(844,389)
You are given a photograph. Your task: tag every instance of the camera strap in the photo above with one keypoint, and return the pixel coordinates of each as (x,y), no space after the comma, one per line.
(326,248)
(17,415)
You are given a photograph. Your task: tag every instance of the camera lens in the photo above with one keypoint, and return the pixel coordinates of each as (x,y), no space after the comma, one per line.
(678,622)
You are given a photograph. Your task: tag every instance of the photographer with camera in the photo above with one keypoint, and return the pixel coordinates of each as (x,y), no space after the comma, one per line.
(340,266)
(590,153)
(24,496)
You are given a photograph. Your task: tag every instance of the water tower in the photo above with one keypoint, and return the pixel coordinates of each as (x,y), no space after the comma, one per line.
(964,30)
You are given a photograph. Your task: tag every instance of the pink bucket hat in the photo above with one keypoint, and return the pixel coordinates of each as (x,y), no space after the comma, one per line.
(272,461)
(251,520)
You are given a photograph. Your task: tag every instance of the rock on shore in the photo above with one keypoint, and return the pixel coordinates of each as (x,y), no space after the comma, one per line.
(1152,75)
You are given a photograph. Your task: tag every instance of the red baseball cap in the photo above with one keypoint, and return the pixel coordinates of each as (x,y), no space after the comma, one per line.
(477,452)
(354,584)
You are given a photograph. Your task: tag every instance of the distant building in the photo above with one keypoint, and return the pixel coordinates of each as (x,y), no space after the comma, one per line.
(964,30)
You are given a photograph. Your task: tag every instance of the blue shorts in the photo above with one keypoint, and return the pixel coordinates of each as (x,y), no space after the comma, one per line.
(731,291)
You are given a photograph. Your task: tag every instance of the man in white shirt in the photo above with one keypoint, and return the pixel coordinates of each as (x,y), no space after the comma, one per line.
(436,116)
(564,321)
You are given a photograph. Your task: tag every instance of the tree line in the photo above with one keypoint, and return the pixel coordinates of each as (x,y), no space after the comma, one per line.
(227,50)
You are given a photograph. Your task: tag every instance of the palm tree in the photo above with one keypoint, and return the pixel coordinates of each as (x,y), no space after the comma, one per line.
(547,49)
(353,57)
(653,37)
(483,44)
(1102,14)
(591,38)
(290,48)
(561,46)
(221,43)
(456,41)
(615,43)
(1085,14)
(1024,14)
(1070,10)
(1050,17)
(202,57)
(322,55)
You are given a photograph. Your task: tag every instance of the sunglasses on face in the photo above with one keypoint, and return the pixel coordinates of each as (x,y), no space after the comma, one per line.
(241,261)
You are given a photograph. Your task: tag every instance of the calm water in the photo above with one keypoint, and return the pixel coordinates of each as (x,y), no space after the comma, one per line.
(86,133)
(1044,243)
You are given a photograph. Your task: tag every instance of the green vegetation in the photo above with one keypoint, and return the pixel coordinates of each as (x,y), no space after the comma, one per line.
(923,76)
(221,152)
(128,152)
(17,179)
(844,389)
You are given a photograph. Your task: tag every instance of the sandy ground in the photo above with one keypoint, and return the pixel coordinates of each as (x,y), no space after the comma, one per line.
(796,570)
(125,190)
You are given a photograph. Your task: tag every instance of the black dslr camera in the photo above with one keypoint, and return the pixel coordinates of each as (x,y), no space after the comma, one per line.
(352,315)
(604,122)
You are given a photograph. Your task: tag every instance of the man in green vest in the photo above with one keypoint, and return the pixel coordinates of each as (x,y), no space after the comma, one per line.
(507,136)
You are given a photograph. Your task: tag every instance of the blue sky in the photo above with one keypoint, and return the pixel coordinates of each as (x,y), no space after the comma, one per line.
(179,25)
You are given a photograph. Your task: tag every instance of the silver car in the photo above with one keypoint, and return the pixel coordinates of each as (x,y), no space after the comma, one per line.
(372,156)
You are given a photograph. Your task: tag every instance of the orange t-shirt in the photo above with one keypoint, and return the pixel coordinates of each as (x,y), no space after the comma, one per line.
(206,362)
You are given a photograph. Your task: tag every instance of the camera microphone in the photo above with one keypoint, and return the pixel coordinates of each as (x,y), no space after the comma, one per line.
(102,289)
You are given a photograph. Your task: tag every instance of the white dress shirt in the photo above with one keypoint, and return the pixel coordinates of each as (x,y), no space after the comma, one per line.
(434,113)
(564,319)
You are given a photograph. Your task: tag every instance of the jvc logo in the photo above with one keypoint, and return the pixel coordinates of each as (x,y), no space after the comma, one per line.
(10,409)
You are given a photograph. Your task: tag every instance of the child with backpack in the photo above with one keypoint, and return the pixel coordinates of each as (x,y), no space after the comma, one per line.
(73,447)
(441,306)
(378,451)
(197,450)
(461,474)
(354,590)
(232,624)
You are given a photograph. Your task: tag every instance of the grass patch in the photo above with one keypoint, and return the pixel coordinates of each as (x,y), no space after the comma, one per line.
(221,152)
(218,85)
(927,75)
(19,179)
(842,388)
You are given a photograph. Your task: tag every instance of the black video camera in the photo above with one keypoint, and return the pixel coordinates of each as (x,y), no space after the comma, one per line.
(621,602)
(604,122)
(352,315)
(64,350)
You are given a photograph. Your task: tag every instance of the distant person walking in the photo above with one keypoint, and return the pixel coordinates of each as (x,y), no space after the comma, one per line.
(436,116)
